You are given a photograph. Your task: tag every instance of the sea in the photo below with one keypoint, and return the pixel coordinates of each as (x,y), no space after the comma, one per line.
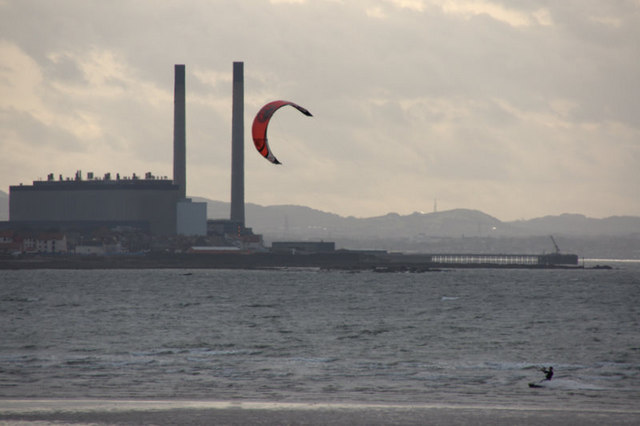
(468,337)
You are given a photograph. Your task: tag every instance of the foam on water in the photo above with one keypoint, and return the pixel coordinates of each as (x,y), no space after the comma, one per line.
(566,384)
(444,298)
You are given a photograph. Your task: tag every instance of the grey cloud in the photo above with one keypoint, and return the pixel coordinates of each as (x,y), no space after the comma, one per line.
(418,97)
(23,126)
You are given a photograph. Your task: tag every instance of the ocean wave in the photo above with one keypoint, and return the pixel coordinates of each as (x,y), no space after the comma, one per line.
(20,299)
(313,360)
(445,298)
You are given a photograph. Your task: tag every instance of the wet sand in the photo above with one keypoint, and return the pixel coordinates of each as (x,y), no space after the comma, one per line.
(176,412)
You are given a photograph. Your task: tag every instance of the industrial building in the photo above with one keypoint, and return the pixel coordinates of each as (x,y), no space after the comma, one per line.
(158,205)
(148,204)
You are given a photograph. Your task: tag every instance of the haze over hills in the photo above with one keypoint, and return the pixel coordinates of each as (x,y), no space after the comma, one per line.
(459,230)
(300,220)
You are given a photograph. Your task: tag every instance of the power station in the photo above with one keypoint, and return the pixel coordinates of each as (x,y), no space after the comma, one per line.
(159,207)
(149,203)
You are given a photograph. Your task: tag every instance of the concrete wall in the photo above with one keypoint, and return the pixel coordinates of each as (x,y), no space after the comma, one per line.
(157,206)
(192,218)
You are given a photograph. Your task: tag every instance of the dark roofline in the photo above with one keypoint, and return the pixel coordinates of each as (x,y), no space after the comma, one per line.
(84,185)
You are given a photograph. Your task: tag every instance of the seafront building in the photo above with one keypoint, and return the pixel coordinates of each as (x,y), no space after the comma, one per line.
(145,204)
(113,214)
(154,205)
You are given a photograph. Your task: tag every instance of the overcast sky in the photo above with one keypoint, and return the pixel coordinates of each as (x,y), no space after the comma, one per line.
(517,108)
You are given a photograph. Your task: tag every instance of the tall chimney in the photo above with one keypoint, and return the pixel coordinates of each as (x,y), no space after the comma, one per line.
(179,132)
(237,145)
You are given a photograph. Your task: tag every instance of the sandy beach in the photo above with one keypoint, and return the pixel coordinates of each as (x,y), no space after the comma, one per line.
(169,412)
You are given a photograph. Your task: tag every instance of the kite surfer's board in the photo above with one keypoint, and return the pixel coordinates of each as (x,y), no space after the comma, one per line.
(537,385)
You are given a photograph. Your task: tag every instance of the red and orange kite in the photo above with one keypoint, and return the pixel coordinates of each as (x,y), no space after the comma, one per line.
(261,122)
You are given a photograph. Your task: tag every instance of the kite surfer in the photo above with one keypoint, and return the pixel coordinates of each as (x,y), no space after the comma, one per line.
(548,373)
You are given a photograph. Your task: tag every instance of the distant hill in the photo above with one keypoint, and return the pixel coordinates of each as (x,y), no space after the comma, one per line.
(577,224)
(289,221)
(459,230)
(304,221)
(453,231)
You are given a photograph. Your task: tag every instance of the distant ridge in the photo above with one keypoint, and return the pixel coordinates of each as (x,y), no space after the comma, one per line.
(293,219)
(577,224)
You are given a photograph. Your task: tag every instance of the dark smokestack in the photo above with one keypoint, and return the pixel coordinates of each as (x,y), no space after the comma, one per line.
(237,145)
(179,132)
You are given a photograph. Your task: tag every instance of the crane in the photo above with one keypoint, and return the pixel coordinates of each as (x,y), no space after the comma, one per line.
(555,244)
